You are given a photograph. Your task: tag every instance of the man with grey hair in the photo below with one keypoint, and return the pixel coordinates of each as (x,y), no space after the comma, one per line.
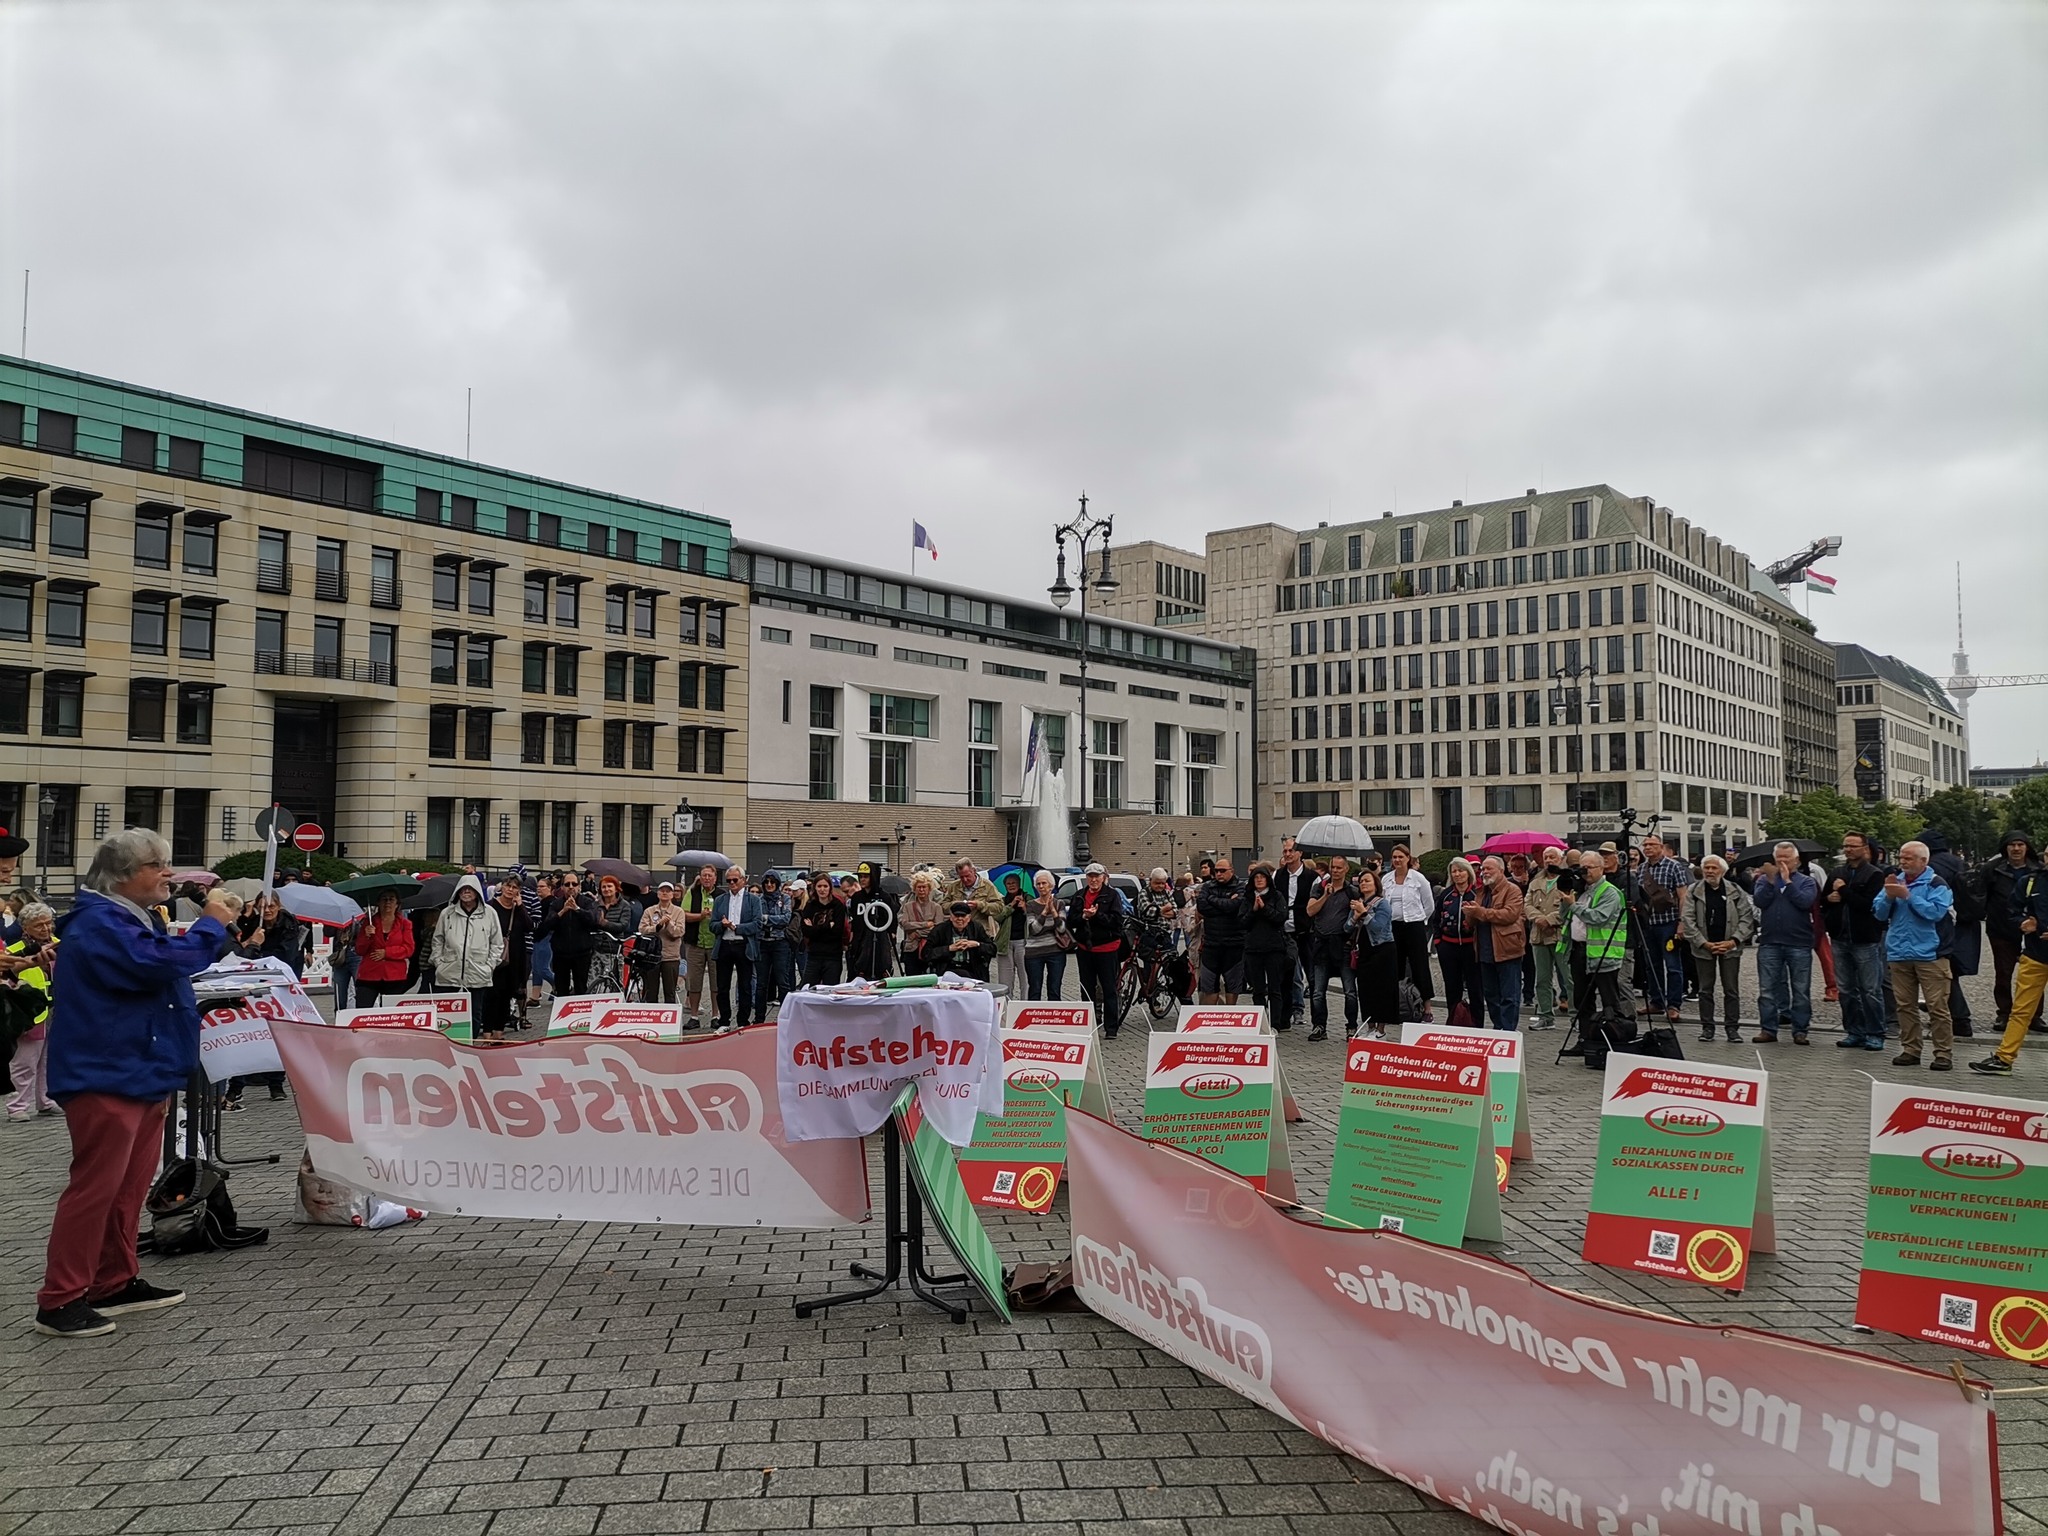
(1720,921)
(1785,898)
(1917,908)
(124,1036)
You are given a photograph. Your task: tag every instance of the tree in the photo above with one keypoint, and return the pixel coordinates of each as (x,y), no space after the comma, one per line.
(248,865)
(1968,818)
(2027,808)
(1826,815)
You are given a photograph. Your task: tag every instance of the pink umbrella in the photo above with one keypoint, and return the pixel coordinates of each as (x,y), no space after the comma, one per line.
(1521,842)
(201,877)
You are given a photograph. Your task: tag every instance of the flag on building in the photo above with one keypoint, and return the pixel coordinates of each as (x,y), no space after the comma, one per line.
(919,539)
(1815,582)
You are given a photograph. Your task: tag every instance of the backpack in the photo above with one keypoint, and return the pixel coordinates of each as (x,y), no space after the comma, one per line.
(1945,930)
(1408,1003)
(1969,907)
(190,1212)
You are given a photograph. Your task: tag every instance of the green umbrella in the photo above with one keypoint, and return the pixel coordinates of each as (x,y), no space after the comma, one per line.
(370,885)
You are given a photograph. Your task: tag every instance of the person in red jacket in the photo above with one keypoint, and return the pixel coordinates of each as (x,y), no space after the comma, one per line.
(383,945)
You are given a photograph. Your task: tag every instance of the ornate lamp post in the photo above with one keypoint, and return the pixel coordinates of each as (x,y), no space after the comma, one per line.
(1083,531)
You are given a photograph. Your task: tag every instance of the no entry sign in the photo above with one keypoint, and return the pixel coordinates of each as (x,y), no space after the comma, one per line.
(309,836)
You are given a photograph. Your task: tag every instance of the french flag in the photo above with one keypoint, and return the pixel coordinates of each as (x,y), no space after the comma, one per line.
(919,539)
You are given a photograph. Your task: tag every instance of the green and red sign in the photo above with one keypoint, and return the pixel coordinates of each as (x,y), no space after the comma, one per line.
(1502,1049)
(937,1176)
(1014,1162)
(1955,1240)
(1415,1144)
(1683,1185)
(1211,1092)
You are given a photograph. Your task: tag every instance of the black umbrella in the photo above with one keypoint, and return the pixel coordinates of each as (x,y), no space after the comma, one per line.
(697,858)
(437,892)
(1760,853)
(621,871)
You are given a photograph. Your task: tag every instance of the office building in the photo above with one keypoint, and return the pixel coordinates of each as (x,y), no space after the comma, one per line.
(1549,660)
(1806,684)
(203,610)
(2003,781)
(892,718)
(1903,738)
(1156,584)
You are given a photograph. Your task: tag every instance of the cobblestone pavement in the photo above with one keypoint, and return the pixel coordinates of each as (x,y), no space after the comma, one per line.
(461,1377)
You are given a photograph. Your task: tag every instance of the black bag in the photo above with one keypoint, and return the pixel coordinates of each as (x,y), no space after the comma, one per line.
(1660,1040)
(1608,1032)
(1408,1002)
(190,1212)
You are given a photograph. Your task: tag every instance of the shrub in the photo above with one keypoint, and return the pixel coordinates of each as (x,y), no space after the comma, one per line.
(248,865)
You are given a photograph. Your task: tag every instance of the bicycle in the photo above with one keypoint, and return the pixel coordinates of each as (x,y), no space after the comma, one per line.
(1155,968)
(614,967)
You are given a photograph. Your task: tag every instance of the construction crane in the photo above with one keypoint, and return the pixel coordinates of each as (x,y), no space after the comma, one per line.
(1788,570)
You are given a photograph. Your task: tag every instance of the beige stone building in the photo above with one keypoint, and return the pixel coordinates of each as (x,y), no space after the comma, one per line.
(1156,584)
(203,610)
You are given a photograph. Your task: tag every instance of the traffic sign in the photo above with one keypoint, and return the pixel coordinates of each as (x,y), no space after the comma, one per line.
(309,836)
(275,822)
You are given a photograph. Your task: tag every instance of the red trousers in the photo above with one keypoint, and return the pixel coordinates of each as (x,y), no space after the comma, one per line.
(116,1144)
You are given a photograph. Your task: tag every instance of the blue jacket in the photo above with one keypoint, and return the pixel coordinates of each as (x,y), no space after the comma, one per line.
(124,1020)
(1913,924)
(1785,912)
(746,918)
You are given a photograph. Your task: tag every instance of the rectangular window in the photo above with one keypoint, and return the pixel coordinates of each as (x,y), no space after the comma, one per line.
(462,511)
(1582,520)
(626,545)
(530,815)
(565,671)
(889,772)
(195,629)
(273,559)
(643,745)
(384,653)
(690,625)
(643,679)
(687,754)
(440,827)
(1461,536)
(442,666)
(447,584)
(12,417)
(330,570)
(565,740)
(614,744)
(1407,545)
(142,808)
(714,688)
(269,639)
(476,736)
(615,676)
(188,826)
(615,604)
(188,458)
(146,698)
(824,708)
(1514,799)
(551,529)
(834,643)
(153,541)
(896,715)
(18,522)
(71,528)
(596,539)
(770,635)
(426,505)
(149,624)
(519,526)
(562,831)
(63,703)
(714,752)
(57,432)
(533,739)
(568,604)
(441,730)
(202,545)
(483,589)
(688,685)
(536,599)
(533,667)
(64,615)
(643,615)
(1639,602)
(14,687)
(1518,529)
(479,654)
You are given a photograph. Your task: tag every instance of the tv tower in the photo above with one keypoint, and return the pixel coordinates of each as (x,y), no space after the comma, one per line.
(1962,685)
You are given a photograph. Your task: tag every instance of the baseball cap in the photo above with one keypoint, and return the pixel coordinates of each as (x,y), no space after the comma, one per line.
(666,885)
(1095,869)
(963,909)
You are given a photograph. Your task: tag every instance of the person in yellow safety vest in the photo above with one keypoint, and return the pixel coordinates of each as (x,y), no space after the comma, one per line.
(1596,922)
(31,983)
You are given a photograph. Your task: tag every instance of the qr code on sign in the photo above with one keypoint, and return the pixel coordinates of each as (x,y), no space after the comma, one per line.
(1390,1223)
(1959,1312)
(1006,1181)
(1663,1245)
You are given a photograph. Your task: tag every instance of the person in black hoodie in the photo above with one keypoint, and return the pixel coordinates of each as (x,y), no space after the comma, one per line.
(572,921)
(960,945)
(1220,904)
(1857,934)
(822,933)
(2017,858)
(1967,947)
(1268,948)
(871,955)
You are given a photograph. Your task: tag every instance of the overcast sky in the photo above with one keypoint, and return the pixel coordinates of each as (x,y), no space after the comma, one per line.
(820,270)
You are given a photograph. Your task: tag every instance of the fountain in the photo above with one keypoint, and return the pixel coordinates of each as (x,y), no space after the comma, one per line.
(1046,835)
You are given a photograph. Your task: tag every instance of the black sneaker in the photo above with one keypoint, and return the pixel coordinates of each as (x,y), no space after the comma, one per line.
(74,1320)
(138,1295)
(1320,1032)
(1992,1066)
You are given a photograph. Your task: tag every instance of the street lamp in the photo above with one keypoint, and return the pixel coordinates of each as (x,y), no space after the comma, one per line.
(1565,710)
(1083,530)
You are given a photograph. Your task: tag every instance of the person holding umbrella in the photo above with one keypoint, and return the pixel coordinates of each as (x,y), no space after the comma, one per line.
(383,946)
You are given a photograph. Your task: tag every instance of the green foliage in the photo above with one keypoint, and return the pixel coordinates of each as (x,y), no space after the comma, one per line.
(2027,808)
(411,867)
(1970,819)
(1436,863)
(248,865)
(1825,815)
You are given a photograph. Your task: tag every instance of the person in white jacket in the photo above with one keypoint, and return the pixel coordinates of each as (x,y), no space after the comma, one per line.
(468,947)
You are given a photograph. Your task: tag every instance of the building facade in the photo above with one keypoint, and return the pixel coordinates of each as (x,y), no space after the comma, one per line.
(1806,683)
(1903,738)
(1550,660)
(892,719)
(203,610)
(2003,781)
(1156,584)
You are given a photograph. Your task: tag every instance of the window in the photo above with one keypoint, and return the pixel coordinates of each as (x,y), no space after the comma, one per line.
(529,830)
(1384,802)
(1198,792)
(824,768)
(153,540)
(476,735)
(479,653)
(565,671)
(931,659)
(1162,788)
(614,741)
(195,714)
(519,525)
(643,615)
(611,821)
(533,740)
(892,714)
(565,740)
(11,417)
(1514,799)
(1582,520)
(269,639)
(615,601)
(273,560)
(568,603)
(18,522)
(1202,747)
(142,808)
(689,739)
(384,586)
(483,589)
(889,772)
(643,679)
(63,704)
(1304,558)
(383,653)
(462,511)
(561,831)
(1003,669)
(64,615)
(551,530)
(146,696)
(1407,545)
(71,528)
(441,666)
(1051,731)
(1106,770)
(1461,536)
(56,432)
(643,746)
(440,822)
(770,635)
(533,667)
(447,584)
(824,708)
(834,643)
(615,676)
(195,629)
(441,730)
(14,684)
(982,717)
(149,625)
(714,688)
(714,751)
(625,544)
(306,475)
(690,627)
(16,596)
(426,506)
(688,684)
(536,595)
(202,545)
(596,539)
(188,457)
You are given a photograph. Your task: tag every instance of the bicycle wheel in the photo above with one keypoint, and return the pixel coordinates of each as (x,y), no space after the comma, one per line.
(1162,1002)
(1128,985)
(636,985)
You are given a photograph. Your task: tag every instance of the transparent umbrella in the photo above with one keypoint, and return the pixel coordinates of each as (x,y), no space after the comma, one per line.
(1321,836)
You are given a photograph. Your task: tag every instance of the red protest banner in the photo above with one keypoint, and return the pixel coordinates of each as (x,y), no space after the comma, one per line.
(1532,1409)
(583,1127)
